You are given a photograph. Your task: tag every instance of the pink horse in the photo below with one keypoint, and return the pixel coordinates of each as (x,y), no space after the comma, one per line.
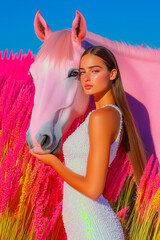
(59,98)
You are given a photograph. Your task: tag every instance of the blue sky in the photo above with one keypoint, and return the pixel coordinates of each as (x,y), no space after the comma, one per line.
(134,22)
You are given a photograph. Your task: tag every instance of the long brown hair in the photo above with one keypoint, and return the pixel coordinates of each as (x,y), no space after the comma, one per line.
(131,141)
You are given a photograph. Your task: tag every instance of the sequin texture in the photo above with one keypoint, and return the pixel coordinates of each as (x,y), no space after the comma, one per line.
(83,217)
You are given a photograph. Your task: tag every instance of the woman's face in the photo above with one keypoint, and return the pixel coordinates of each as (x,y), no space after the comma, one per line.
(95,76)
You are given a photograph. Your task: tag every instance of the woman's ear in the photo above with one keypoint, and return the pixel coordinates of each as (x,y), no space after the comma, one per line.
(113,74)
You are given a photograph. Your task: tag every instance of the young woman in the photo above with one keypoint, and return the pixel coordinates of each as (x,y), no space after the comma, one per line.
(91,148)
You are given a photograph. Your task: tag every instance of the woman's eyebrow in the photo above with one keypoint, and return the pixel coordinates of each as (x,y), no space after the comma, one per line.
(92,67)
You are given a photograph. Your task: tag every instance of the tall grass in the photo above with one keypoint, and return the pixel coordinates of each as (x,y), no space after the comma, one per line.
(31,193)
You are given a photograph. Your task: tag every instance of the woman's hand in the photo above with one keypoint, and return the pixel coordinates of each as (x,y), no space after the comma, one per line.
(47,159)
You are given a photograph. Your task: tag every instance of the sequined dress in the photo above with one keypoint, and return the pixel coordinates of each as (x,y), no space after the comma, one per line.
(83,217)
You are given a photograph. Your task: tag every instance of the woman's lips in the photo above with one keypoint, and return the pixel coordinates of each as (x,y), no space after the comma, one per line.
(87,86)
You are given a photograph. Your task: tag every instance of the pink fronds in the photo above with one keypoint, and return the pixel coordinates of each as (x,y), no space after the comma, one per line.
(53,220)
(7,190)
(16,179)
(156,184)
(12,119)
(33,176)
(22,179)
(37,184)
(122,213)
(151,182)
(145,181)
(116,176)
(148,197)
(155,203)
(41,203)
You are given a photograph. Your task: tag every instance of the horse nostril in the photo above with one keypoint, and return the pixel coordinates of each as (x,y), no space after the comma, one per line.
(46,141)
(29,141)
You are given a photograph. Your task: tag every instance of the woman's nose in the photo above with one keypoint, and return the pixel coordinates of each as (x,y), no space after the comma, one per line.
(86,77)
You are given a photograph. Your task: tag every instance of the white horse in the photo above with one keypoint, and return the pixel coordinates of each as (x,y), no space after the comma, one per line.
(59,97)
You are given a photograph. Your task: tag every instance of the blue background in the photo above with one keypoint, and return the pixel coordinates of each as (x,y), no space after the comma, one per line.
(134,22)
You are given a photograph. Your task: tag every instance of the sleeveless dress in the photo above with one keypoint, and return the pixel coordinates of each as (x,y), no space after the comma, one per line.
(83,217)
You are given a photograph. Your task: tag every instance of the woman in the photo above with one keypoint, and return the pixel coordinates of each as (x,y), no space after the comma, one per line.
(91,148)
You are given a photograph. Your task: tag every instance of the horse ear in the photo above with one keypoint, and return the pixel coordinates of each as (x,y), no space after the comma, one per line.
(42,30)
(79,27)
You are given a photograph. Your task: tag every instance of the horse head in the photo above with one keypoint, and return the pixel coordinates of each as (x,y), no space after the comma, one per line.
(59,97)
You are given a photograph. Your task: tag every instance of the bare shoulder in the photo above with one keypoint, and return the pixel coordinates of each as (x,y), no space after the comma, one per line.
(105,116)
(105,120)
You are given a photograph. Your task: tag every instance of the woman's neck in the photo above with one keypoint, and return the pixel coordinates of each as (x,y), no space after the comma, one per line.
(103,99)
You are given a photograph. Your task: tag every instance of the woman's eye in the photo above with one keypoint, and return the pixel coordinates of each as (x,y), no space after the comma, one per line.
(73,73)
(95,71)
(81,73)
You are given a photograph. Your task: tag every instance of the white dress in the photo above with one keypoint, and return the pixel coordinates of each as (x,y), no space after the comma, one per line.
(83,217)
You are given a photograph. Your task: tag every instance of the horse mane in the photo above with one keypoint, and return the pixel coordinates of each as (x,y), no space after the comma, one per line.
(139,52)
(57,48)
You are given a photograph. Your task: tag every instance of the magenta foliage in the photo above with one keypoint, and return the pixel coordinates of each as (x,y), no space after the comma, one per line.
(122,213)
(146,173)
(16,180)
(46,199)
(40,221)
(149,184)
(151,181)
(52,221)
(144,183)
(37,184)
(156,184)
(117,174)
(6,191)
(16,102)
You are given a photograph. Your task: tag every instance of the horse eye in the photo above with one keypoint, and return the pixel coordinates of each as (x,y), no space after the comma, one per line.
(73,73)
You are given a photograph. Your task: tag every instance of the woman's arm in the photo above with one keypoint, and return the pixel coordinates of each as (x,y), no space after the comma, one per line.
(101,135)
(103,129)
